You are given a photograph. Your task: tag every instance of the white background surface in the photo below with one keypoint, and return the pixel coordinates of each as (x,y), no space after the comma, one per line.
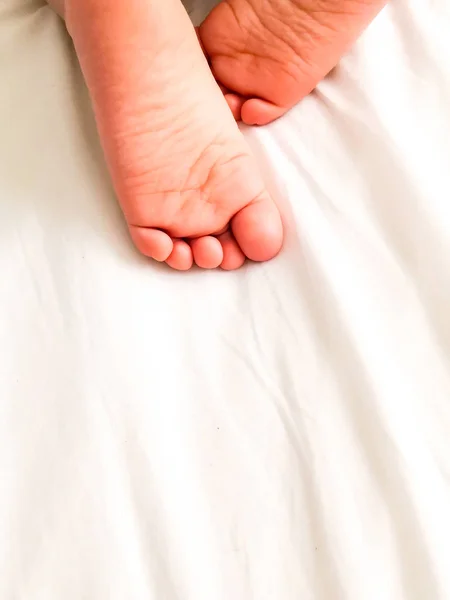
(280,433)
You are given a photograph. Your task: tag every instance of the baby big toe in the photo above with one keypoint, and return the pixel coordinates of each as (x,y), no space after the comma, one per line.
(258,229)
(257,111)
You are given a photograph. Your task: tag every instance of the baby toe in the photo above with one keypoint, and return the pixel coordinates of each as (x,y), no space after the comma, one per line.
(207,251)
(233,257)
(152,242)
(235,104)
(181,258)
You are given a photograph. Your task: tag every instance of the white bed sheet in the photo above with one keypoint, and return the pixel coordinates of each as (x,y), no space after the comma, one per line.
(279,433)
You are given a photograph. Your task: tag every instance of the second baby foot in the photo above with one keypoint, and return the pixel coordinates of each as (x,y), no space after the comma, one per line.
(269,54)
(185,178)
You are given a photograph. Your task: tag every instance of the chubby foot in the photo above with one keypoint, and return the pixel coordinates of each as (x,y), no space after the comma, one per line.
(186,180)
(269,54)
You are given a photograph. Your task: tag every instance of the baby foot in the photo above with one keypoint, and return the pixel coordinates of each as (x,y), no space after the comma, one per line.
(185,178)
(269,54)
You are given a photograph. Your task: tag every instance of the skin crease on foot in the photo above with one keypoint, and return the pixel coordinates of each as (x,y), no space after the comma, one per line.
(269,54)
(186,180)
